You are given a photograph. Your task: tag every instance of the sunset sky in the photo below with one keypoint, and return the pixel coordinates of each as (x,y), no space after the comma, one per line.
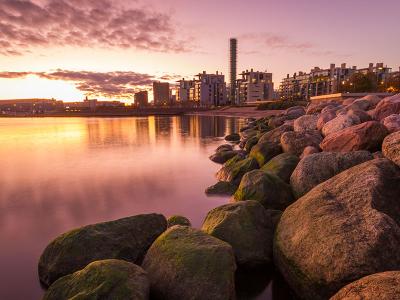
(108,49)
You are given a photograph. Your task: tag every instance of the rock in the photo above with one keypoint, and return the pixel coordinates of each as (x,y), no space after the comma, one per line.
(127,239)
(266,188)
(221,188)
(224,147)
(246,127)
(387,107)
(103,279)
(282,166)
(360,114)
(360,104)
(382,286)
(247,227)
(186,263)
(306,123)
(316,108)
(248,133)
(342,230)
(234,169)
(372,99)
(222,157)
(295,112)
(378,154)
(178,220)
(339,123)
(392,123)
(295,142)
(319,167)
(325,117)
(348,101)
(308,151)
(234,137)
(251,142)
(365,136)
(391,147)
(274,136)
(277,121)
(263,152)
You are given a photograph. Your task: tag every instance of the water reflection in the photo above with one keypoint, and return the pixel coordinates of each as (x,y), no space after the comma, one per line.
(60,173)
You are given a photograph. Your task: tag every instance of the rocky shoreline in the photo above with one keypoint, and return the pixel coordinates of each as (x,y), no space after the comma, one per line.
(315,194)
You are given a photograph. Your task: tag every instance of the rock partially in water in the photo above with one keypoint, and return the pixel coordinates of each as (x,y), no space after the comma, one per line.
(127,239)
(391,147)
(178,220)
(268,189)
(233,137)
(222,157)
(186,263)
(295,142)
(382,286)
(342,230)
(247,227)
(224,147)
(103,279)
(234,169)
(282,166)
(221,188)
(319,167)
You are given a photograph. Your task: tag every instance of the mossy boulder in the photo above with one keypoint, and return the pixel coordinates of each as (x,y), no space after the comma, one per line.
(233,137)
(178,220)
(221,188)
(127,239)
(282,166)
(247,227)
(246,134)
(263,152)
(266,188)
(250,143)
(222,157)
(274,136)
(186,263)
(103,279)
(235,168)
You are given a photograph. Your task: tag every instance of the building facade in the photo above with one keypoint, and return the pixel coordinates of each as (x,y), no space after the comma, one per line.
(161,93)
(254,86)
(141,98)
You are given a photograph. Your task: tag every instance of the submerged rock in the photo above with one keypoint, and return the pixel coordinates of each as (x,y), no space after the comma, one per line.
(103,279)
(221,188)
(235,168)
(186,263)
(247,227)
(282,166)
(266,188)
(342,230)
(178,220)
(127,239)
(391,147)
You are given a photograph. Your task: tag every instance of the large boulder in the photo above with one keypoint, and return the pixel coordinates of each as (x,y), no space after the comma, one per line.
(263,152)
(103,279)
(391,147)
(282,166)
(317,168)
(274,136)
(387,107)
(250,143)
(247,227)
(306,123)
(221,188)
(325,117)
(266,188)
(342,230)
(294,112)
(382,286)
(222,157)
(126,239)
(360,114)
(186,263)
(339,123)
(295,142)
(365,136)
(308,151)
(234,169)
(392,123)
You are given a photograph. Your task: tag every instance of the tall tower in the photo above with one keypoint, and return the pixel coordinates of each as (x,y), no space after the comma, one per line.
(233,70)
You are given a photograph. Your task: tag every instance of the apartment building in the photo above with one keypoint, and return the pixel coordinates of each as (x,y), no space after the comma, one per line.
(161,93)
(254,86)
(141,98)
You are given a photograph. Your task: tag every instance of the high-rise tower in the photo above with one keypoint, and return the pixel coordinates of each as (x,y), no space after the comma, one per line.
(233,70)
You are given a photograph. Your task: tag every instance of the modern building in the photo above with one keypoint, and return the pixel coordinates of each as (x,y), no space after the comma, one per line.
(161,93)
(183,90)
(233,70)
(141,98)
(303,86)
(254,86)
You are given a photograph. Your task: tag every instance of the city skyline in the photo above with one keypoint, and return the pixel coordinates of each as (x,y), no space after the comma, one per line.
(118,47)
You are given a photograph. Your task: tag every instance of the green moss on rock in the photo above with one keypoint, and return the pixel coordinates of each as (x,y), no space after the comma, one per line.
(221,188)
(235,168)
(282,166)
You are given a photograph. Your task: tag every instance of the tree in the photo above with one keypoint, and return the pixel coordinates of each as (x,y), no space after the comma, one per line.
(360,83)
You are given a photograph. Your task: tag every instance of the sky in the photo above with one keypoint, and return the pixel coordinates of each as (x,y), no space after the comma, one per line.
(109,49)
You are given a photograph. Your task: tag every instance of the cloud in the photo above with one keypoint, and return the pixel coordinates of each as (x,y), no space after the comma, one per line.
(25,24)
(117,85)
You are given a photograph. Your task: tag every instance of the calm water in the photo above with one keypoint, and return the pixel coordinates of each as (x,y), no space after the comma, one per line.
(61,173)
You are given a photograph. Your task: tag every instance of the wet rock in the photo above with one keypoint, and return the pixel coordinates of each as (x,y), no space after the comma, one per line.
(268,189)
(127,239)
(186,263)
(342,230)
(339,123)
(306,123)
(317,168)
(103,279)
(234,169)
(295,142)
(224,147)
(383,286)
(221,188)
(247,227)
(392,123)
(365,136)
(391,147)
(178,220)
(234,137)
(222,157)
(282,166)
(263,152)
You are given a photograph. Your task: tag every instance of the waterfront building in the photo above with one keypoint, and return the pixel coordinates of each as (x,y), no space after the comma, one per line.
(183,90)
(141,98)
(161,93)
(31,106)
(254,86)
